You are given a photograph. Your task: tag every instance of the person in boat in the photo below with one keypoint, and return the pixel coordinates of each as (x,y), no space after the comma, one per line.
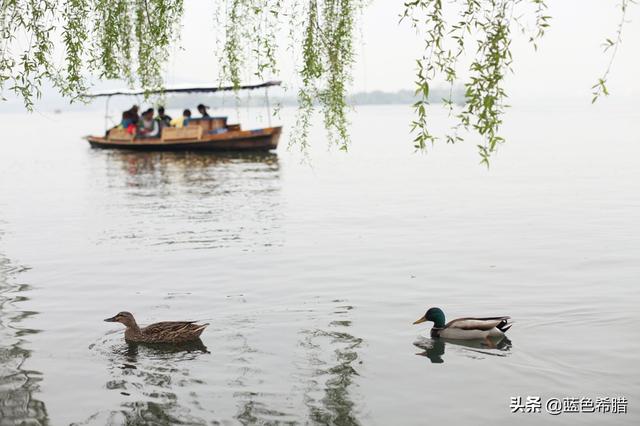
(133,113)
(128,123)
(182,121)
(164,119)
(148,127)
(202,109)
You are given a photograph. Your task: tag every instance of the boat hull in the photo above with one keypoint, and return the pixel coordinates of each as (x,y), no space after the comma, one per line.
(241,140)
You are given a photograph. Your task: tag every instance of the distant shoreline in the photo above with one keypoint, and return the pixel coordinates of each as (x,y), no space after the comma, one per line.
(376,97)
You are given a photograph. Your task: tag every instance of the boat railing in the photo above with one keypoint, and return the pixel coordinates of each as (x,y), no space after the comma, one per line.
(119,135)
(196,129)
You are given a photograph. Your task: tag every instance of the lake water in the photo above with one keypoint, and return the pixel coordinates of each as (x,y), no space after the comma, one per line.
(311,274)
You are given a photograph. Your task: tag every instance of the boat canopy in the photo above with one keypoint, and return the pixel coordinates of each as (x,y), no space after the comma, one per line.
(266,84)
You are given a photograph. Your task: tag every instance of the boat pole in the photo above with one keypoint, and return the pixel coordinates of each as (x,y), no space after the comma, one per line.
(266,95)
(106,113)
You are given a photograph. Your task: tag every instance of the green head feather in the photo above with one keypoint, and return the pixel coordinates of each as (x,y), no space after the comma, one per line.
(437,316)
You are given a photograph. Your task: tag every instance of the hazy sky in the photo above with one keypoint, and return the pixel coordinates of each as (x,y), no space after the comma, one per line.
(568,62)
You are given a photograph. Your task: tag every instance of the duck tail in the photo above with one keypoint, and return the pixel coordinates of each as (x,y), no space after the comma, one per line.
(504,325)
(200,328)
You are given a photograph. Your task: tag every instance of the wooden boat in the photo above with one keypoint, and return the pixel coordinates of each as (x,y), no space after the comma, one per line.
(193,137)
(200,134)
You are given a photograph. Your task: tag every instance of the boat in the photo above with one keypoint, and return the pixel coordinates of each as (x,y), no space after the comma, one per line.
(200,134)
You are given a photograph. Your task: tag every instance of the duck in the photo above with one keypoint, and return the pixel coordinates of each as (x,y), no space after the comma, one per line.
(175,332)
(467,328)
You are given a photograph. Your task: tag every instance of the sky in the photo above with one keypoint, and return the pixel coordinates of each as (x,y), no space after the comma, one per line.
(566,65)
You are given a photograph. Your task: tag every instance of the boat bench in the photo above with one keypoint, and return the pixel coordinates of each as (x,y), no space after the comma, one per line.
(119,135)
(181,133)
(208,124)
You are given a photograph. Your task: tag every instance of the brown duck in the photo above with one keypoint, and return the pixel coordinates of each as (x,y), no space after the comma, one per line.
(160,332)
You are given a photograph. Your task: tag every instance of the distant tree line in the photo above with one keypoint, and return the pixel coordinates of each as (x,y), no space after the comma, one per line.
(375,97)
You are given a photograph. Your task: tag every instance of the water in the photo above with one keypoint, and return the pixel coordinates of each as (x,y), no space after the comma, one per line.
(312,275)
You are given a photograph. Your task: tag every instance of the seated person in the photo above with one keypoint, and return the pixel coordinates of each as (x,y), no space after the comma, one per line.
(133,112)
(202,109)
(164,119)
(182,121)
(148,127)
(127,122)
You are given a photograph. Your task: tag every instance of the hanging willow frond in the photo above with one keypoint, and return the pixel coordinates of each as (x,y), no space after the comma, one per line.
(130,40)
(489,24)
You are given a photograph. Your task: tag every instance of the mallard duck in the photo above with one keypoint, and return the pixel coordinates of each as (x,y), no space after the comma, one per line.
(160,332)
(465,328)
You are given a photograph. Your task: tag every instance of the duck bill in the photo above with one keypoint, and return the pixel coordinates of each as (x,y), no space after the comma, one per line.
(112,319)
(419,320)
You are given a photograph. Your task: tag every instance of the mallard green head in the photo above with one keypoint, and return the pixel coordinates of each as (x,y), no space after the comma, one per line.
(433,314)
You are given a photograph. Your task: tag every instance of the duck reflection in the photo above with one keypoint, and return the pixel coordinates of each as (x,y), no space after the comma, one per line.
(434,348)
(136,366)
(18,386)
(189,350)
(149,374)
(328,396)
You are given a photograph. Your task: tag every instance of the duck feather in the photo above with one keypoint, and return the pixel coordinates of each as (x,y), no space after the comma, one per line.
(471,323)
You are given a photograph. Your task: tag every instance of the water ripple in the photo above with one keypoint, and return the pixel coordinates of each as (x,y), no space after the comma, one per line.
(19,402)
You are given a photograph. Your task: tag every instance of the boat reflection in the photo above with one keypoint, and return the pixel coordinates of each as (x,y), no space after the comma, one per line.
(163,167)
(183,200)
(18,386)
(434,348)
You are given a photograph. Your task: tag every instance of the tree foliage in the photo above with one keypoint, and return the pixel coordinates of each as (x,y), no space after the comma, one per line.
(110,39)
(488,23)
(611,45)
(130,40)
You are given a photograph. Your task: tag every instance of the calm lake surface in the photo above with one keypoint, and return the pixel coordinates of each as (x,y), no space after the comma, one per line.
(311,275)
